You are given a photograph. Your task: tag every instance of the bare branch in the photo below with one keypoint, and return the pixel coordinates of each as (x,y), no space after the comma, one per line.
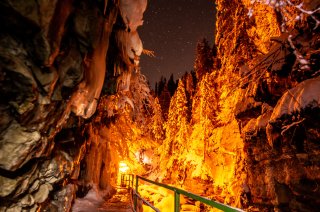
(148,52)
(303,62)
(308,12)
(287,127)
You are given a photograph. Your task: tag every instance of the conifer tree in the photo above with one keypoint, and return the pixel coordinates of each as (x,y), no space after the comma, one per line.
(156,89)
(176,125)
(204,61)
(206,99)
(157,121)
(205,108)
(172,86)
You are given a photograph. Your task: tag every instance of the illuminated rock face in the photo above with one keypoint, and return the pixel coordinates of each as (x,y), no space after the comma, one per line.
(252,137)
(53,60)
(53,57)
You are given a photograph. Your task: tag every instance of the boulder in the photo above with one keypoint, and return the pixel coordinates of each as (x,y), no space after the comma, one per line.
(18,146)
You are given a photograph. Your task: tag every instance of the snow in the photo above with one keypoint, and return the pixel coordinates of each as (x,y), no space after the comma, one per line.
(287,127)
(91,201)
(305,94)
(130,42)
(262,120)
(303,62)
(132,12)
(134,45)
(250,12)
(162,198)
(123,81)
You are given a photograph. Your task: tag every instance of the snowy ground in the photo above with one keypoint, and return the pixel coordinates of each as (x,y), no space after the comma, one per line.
(94,202)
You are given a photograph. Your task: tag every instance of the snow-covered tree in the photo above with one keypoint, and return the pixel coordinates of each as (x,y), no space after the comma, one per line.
(157,121)
(291,12)
(205,104)
(176,125)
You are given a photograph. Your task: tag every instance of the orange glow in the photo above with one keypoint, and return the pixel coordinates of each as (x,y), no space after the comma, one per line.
(123,167)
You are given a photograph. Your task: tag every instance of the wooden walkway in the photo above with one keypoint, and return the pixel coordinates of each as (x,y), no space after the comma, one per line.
(120,202)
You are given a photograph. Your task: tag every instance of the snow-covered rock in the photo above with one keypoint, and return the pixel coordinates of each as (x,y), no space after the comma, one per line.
(90,202)
(305,94)
(132,12)
(262,120)
(130,43)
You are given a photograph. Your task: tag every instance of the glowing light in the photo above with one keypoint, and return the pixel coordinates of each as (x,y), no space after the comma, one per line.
(123,167)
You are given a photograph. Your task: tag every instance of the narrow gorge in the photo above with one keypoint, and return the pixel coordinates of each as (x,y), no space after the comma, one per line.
(242,128)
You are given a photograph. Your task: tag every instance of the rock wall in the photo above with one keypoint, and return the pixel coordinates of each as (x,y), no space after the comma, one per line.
(251,138)
(264,64)
(54,58)
(276,145)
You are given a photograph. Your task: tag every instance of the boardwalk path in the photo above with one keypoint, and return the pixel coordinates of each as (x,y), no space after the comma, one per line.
(120,202)
(93,202)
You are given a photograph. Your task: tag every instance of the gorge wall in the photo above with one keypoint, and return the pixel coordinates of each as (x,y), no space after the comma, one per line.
(247,134)
(269,64)
(57,57)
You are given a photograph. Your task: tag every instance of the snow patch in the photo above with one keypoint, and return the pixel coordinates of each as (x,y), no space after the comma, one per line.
(134,47)
(262,120)
(92,200)
(130,43)
(305,94)
(162,198)
(132,12)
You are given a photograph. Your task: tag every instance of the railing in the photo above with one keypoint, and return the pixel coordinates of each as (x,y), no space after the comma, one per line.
(136,195)
(177,193)
(127,180)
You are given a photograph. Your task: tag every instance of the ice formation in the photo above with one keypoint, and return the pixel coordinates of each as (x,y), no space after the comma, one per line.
(303,95)
(130,44)
(132,12)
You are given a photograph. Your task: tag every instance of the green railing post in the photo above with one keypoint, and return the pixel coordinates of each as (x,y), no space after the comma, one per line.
(176,201)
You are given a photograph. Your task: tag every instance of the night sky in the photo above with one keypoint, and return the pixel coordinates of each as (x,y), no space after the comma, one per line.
(171,29)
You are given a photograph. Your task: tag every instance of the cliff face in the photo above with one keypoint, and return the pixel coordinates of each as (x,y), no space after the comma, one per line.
(54,58)
(272,111)
(247,135)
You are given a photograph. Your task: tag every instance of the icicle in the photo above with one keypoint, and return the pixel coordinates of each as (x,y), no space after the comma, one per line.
(123,82)
(130,44)
(84,100)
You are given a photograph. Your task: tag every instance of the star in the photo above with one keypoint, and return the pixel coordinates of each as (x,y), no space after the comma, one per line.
(172,29)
